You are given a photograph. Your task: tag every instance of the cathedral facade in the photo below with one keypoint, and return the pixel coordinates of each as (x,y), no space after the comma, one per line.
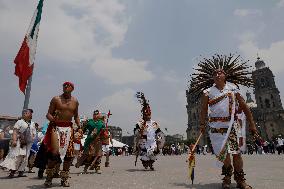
(267,109)
(269,113)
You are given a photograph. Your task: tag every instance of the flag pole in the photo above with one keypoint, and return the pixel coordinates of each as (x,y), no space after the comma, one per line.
(26,56)
(28,93)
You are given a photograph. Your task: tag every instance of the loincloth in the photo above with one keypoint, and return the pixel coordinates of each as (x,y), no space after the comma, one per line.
(59,139)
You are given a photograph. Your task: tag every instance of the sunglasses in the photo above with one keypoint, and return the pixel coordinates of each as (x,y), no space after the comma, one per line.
(66,85)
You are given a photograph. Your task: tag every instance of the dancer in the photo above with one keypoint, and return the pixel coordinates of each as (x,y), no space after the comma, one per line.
(59,136)
(148,137)
(217,79)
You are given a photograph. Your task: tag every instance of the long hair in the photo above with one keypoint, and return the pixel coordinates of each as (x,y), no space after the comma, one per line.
(236,71)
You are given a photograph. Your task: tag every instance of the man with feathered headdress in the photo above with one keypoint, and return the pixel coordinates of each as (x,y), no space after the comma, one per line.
(148,136)
(217,80)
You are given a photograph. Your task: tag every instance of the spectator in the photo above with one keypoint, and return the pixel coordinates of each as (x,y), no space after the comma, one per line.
(1,145)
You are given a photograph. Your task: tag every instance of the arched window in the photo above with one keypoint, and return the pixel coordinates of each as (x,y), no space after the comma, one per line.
(267,103)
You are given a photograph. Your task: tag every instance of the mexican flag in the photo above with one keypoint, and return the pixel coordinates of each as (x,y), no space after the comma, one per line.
(25,58)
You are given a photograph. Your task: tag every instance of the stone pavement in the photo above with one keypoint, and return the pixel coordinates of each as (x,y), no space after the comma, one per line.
(263,172)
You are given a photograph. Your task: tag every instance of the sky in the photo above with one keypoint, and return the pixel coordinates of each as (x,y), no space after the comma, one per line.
(110,49)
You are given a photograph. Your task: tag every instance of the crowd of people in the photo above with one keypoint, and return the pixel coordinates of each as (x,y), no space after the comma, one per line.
(53,148)
(58,143)
(267,147)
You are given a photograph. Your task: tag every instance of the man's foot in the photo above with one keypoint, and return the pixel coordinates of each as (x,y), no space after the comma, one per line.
(151,162)
(12,174)
(225,186)
(243,185)
(240,180)
(49,177)
(64,178)
(77,165)
(40,173)
(145,164)
(48,183)
(31,171)
(106,164)
(227,172)
(65,183)
(91,168)
(98,171)
(56,175)
(21,174)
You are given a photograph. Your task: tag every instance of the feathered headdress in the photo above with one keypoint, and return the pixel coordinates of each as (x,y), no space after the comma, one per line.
(236,71)
(144,104)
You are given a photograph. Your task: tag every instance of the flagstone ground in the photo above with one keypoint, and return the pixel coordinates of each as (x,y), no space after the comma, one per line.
(263,172)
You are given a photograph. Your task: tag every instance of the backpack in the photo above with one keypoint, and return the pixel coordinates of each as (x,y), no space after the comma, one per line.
(25,137)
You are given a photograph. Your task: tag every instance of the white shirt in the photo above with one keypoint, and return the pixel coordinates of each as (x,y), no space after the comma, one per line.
(21,126)
(280,141)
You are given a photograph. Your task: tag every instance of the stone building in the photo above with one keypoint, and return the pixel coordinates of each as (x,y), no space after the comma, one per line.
(269,113)
(116,132)
(129,140)
(7,122)
(193,112)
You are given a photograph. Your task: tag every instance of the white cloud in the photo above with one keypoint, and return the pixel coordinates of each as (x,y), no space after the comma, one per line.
(280,3)
(181,97)
(247,36)
(122,71)
(124,107)
(77,33)
(273,55)
(247,12)
(170,77)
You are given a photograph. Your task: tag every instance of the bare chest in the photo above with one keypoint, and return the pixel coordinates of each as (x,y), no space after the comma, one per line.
(66,104)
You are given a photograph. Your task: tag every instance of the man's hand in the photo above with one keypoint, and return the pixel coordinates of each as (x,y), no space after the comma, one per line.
(202,129)
(14,143)
(253,130)
(254,133)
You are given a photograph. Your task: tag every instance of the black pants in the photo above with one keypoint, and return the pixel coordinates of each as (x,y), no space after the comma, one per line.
(41,157)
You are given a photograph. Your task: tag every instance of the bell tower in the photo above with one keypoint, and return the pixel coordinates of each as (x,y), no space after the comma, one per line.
(269,106)
(267,95)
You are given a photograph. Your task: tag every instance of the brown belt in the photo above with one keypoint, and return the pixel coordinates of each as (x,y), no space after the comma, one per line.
(218,130)
(219,119)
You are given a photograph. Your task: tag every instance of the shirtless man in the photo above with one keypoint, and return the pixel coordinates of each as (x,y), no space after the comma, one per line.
(59,136)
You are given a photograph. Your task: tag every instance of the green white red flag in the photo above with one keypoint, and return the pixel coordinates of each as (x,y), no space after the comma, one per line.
(25,58)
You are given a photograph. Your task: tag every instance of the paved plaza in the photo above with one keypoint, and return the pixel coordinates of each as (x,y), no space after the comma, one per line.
(263,172)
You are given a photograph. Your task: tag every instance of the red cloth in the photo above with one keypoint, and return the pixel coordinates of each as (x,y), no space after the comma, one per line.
(51,125)
(105,137)
(23,68)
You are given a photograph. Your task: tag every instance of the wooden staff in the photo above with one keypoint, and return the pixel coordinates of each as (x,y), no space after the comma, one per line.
(191,158)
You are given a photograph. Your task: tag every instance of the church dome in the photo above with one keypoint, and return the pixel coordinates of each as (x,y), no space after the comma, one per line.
(259,64)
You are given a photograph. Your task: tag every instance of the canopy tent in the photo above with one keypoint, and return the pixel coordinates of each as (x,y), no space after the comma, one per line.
(116,144)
